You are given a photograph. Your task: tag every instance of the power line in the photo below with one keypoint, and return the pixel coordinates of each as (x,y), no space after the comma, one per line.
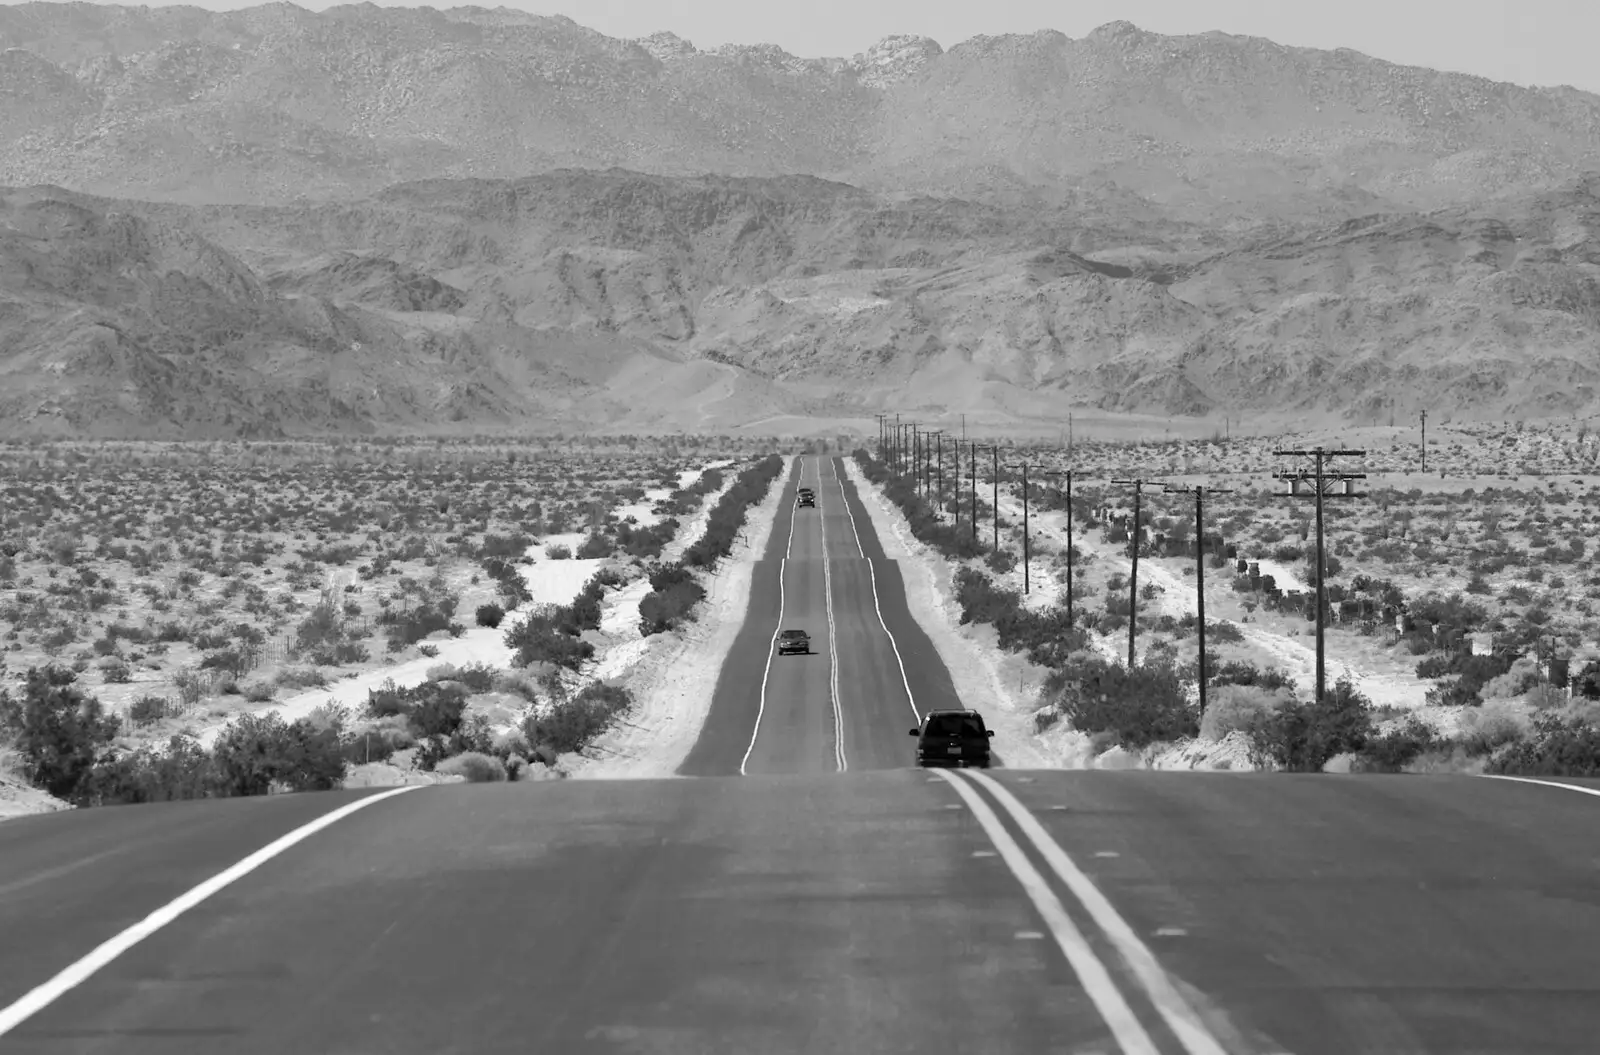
(1200,571)
(1133,579)
(1319,479)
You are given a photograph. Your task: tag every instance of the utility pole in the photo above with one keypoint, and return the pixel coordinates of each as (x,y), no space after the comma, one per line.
(1025,553)
(1319,480)
(995,450)
(973,481)
(916,457)
(1424,441)
(899,435)
(1068,474)
(928,470)
(1133,579)
(1200,571)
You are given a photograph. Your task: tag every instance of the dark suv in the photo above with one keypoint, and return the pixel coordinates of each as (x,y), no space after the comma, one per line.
(806,499)
(794,642)
(953,738)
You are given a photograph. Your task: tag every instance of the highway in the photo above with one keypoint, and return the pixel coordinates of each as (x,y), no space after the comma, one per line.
(850,705)
(799,908)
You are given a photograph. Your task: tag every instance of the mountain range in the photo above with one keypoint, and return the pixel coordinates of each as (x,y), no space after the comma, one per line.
(578,299)
(272,222)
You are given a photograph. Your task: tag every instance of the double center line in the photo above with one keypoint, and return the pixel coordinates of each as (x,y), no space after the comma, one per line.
(1137,963)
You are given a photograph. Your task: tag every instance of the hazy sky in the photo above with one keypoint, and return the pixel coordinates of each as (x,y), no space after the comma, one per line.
(1525,41)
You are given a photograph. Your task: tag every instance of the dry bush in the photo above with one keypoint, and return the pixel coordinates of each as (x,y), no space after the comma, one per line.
(1239,708)
(475,767)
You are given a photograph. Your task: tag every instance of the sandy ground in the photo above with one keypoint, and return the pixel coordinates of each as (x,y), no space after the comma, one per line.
(18,799)
(673,676)
(549,581)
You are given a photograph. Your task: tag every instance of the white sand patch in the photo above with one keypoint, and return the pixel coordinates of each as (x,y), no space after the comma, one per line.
(557,581)
(672,676)
(978,673)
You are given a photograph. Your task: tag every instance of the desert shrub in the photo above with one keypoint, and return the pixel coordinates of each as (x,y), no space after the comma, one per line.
(557,551)
(490,615)
(1522,676)
(727,517)
(254,752)
(1044,635)
(674,592)
(943,535)
(1301,736)
(148,709)
(595,547)
(300,678)
(1394,750)
(405,628)
(477,768)
(478,677)
(506,547)
(508,581)
(1239,708)
(1223,632)
(1471,674)
(57,728)
(645,542)
(185,770)
(371,745)
(543,637)
(571,724)
(1132,708)
(433,708)
(1486,729)
(1559,745)
(1237,672)
(515,682)
(1001,561)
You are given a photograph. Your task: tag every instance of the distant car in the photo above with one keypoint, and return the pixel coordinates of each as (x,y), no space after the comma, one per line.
(794,642)
(953,738)
(806,503)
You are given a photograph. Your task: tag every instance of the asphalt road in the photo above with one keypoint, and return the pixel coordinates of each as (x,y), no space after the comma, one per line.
(873,672)
(864,912)
(879,910)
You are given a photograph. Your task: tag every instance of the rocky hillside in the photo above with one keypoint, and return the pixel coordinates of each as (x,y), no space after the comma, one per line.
(276,104)
(654,303)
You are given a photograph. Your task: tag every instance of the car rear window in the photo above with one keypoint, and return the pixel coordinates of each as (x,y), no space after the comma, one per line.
(955,725)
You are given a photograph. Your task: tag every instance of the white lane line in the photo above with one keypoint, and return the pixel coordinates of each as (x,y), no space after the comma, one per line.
(878,607)
(1547,783)
(840,481)
(1096,980)
(772,648)
(833,643)
(1179,1015)
(74,975)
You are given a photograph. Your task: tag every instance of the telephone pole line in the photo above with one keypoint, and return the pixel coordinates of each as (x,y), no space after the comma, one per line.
(928,469)
(1200,570)
(1320,479)
(1025,546)
(882,419)
(972,477)
(1424,441)
(1133,579)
